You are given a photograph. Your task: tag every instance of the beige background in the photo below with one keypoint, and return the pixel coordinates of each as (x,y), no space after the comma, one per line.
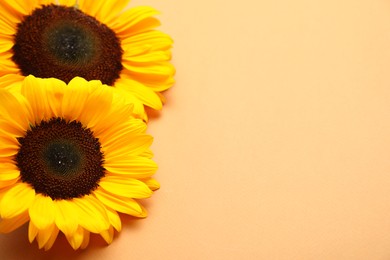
(274,143)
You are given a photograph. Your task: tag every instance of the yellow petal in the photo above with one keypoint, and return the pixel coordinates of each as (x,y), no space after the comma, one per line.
(42,212)
(16,200)
(114,218)
(125,187)
(108,235)
(143,43)
(135,146)
(7,27)
(148,58)
(8,184)
(75,95)
(8,139)
(44,235)
(32,232)
(85,242)
(7,66)
(161,70)
(132,18)
(138,109)
(112,139)
(11,81)
(143,93)
(43,96)
(122,129)
(5,45)
(68,2)
(8,152)
(159,85)
(120,204)
(146,25)
(10,129)
(147,153)
(23,7)
(9,225)
(152,183)
(66,217)
(15,112)
(97,106)
(91,214)
(8,171)
(52,239)
(117,118)
(135,105)
(77,238)
(10,16)
(105,11)
(132,166)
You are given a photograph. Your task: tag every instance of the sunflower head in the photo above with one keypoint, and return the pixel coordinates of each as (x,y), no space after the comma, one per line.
(71,157)
(99,40)
(68,43)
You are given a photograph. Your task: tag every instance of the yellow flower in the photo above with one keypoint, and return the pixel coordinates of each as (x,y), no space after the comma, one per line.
(71,158)
(93,39)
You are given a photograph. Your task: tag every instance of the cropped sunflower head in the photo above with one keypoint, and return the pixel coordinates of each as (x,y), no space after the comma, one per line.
(92,39)
(71,158)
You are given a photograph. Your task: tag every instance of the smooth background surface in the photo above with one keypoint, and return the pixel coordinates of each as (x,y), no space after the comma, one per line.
(274,143)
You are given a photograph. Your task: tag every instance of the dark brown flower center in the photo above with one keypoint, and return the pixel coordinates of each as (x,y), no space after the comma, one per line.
(60,159)
(63,42)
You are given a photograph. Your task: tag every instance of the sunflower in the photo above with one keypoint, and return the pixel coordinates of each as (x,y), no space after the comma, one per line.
(96,40)
(71,158)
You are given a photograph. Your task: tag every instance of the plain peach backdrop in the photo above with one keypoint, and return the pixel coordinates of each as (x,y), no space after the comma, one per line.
(274,142)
